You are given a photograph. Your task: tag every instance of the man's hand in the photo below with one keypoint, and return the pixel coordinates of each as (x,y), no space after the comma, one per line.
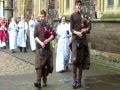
(79,34)
(42,44)
(46,41)
(84,30)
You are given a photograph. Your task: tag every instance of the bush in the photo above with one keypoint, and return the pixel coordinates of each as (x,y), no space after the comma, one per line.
(54,43)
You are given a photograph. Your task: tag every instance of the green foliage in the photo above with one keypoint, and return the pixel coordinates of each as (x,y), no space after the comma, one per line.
(111,16)
(54,43)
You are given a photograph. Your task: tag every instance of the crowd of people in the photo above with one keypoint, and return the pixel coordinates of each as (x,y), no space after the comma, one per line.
(71,47)
(15,33)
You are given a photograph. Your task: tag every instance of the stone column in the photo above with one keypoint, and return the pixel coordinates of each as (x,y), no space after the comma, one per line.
(15,12)
(1,9)
(28,9)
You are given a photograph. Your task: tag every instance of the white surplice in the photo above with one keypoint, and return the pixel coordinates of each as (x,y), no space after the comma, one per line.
(32,39)
(13,28)
(22,34)
(63,50)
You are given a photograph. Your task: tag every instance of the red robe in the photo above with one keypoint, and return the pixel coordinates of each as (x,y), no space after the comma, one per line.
(3,35)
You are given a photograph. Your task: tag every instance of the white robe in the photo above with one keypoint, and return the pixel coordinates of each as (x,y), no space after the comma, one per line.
(13,35)
(32,39)
(22,34)
(70,42)
(63,50)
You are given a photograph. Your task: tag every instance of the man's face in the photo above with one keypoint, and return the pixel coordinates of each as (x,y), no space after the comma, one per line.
(78,6)
(32,17)
(42,18)
(13,20)
(63,20)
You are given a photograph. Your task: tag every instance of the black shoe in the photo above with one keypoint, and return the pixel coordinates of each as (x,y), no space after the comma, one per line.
(74,85)
(20,49)
(79,85)
(66,68)
(37,84)
(4,47)
(33,50)
(62,71)
(13,51)
(25,50)
(1,47)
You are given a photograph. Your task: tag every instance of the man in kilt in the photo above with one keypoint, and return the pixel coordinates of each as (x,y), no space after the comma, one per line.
(80,26)
(43,55)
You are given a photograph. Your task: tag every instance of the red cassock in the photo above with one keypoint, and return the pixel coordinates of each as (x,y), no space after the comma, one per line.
(3,35)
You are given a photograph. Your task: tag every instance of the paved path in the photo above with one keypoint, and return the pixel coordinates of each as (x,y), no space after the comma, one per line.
(99,77)
(28,57)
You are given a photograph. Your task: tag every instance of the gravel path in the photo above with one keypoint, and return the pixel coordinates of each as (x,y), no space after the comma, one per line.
(10,65)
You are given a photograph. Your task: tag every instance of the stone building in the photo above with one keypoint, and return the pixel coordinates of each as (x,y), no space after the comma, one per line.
(1,8)
(54,8)
(6,8)
(29,7)
(66,7)
(23,7)
(16,8)
(107,7)
(47,5)
(26,8)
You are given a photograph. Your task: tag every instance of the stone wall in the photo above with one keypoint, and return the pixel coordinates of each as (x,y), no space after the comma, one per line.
(105,35)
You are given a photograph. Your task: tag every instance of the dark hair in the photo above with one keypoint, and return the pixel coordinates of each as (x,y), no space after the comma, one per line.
(60,19)
(78,1)
(43,12)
